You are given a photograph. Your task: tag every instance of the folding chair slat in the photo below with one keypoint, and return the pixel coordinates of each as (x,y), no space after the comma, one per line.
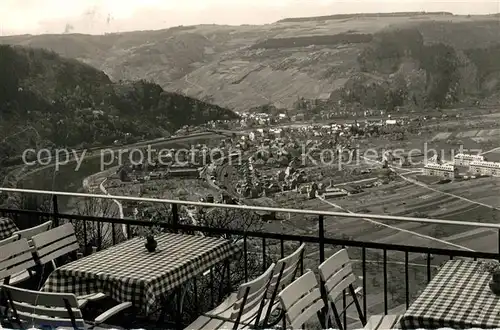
(15,257)
(54,254)
(301,286)
(30,232)
(335,262)
(17,270)
(47,311)
(286,278)
(295,310)
(301,300)
(23,257)
(252,301)
(252,293)
(335,291)
(53,235)
(308,314)
(338,276)
(19,247)
(19,277)
(290,263)
(54,323)
(42,298)
(8,240)
(57,245)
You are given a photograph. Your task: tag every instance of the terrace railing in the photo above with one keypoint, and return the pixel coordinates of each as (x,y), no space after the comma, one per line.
(391,274)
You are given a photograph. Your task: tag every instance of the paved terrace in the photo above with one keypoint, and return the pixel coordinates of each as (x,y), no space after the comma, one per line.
(392,276)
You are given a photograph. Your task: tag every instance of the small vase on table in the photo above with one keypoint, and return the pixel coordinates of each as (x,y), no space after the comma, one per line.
(493,268)
(151,243)
(495,282)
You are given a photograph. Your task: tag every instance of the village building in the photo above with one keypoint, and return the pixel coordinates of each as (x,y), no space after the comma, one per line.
(436,159)
(186,172)
(466,160)
(447,171)
(485,168)
(336,194)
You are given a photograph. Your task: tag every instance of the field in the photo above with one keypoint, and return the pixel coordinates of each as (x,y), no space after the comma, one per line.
(405,199)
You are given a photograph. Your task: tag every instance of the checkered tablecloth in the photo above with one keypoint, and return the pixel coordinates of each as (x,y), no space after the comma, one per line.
(7,228)
(458,297)
(128,272)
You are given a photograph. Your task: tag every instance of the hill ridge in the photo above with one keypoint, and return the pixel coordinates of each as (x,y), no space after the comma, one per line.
(72,104)
(280,64)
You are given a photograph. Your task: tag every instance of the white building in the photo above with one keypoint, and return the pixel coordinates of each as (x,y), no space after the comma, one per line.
(485,168)
(436,159)
(447,171)
(465,159)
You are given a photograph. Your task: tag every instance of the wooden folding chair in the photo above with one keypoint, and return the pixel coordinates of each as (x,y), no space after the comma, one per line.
(15,259)
(245,311)
(337,275)
(54,310)
(283,274)
(28,234)
(301,300)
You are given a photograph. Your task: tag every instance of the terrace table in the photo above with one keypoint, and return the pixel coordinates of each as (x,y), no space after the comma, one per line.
(128,272)
(7,228)
(458,297)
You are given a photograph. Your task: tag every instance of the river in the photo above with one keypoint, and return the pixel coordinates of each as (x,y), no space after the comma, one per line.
(67,179)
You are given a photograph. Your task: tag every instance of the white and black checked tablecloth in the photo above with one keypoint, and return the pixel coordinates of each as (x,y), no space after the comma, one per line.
(128,272)
(458,297)
(7,228)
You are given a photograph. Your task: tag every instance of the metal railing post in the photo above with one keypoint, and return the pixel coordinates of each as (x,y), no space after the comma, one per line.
(498,244)
(175,217)
(321,230)
(99,236)
(55,209)
(321,236)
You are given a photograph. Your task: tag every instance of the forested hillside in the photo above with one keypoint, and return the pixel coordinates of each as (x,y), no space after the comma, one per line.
(417,60)
(399,69)
(47,100)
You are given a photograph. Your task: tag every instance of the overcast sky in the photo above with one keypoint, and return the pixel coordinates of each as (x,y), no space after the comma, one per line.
(100,16)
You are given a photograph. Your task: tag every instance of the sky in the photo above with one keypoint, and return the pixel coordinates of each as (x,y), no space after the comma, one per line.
(106,16)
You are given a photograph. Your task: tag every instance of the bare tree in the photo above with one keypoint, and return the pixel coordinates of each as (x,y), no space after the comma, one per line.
(230,219)
(95,233)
